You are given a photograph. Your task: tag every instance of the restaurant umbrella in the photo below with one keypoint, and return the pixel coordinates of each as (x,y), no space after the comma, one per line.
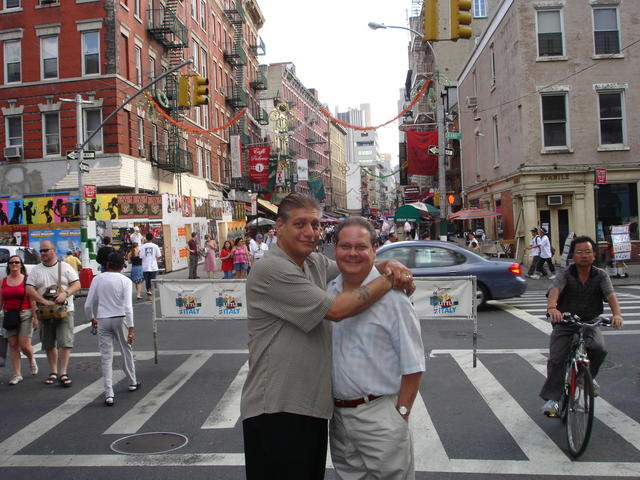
(261,222)
(472,213)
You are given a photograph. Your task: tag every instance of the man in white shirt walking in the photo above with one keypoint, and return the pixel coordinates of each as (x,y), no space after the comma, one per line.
(534,246)
(110,308)
(378,360)
(150,253)
(546,255)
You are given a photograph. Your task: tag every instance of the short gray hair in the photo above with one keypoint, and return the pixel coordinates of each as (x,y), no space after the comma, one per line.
(296,200)
(356,221)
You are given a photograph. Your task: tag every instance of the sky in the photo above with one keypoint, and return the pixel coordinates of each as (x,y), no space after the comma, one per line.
(336,53)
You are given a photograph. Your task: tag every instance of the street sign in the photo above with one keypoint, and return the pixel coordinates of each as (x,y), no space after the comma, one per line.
(84,167)
(453,135)
(601,175)
(434,150)
(90,191)
(86,154)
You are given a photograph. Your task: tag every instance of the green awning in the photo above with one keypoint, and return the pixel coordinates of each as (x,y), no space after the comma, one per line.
(415,212)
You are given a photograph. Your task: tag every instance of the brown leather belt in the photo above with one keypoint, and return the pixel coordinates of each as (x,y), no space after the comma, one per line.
(355,402)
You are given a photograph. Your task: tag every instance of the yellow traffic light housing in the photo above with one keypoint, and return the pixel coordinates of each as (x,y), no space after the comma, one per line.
(184,87)
(461,17)
(200,91)
(430,20)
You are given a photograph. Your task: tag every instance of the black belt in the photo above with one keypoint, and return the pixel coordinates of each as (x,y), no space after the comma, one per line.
(355,402)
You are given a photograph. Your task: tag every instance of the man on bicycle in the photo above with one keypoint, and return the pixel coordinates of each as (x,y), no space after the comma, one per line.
(579,290)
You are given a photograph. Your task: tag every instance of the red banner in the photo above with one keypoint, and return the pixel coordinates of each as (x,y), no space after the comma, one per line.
(259,165)
(419,161)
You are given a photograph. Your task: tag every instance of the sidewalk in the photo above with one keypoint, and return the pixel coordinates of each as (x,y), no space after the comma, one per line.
(184,273)
(633,270)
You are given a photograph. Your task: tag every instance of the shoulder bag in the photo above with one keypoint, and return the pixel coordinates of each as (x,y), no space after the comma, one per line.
(11,320)
(53,313)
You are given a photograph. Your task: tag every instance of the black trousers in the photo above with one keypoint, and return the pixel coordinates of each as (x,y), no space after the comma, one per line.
(285,446)
(559,346)
(148,276)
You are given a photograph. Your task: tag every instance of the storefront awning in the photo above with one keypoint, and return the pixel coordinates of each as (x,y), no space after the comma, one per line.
(415,212)
(267,205)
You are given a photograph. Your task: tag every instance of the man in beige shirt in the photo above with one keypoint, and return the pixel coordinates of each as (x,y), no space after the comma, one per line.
(287,400)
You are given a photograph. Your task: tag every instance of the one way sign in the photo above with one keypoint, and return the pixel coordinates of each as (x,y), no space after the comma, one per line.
(433,150)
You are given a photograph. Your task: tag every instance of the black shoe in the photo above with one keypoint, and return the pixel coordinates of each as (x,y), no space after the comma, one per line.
(133,388)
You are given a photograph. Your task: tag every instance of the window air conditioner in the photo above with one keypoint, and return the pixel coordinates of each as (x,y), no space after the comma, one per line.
(554,200)
(471,102)
(13,152)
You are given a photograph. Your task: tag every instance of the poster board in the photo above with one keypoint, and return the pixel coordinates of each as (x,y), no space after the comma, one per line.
(620,243)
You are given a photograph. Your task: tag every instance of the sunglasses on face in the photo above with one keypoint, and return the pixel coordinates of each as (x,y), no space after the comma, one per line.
(14,263)
(44,250)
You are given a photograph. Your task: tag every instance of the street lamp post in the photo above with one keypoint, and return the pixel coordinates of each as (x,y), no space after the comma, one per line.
(441,125)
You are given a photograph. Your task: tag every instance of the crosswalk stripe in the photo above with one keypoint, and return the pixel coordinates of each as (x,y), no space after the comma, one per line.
(53,418)
(531,439)
(542,325)
(427,446)
(612,417)
(133,420)
(227,411)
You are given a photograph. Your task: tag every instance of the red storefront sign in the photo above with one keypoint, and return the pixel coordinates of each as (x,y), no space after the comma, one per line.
(259,165)
(601,175)
(90,191)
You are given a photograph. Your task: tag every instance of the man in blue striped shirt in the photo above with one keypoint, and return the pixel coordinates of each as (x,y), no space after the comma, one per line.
(378,360)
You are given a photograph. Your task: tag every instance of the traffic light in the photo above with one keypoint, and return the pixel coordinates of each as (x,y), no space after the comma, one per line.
(460,17)
(430,19)
(184,87)
(200,91)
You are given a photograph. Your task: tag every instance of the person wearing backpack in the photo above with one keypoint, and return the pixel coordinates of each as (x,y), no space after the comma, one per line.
(103,253)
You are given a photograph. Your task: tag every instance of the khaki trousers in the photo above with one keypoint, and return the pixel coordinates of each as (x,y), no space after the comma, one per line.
(371,441)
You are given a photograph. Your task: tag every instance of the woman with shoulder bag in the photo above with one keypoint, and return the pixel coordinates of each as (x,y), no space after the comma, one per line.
(19,316)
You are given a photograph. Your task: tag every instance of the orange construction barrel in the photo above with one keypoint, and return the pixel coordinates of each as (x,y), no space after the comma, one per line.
(86,276)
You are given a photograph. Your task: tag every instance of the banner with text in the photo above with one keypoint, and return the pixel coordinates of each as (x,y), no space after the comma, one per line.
(259,165)
(236,156)
(205,299)
(442,298)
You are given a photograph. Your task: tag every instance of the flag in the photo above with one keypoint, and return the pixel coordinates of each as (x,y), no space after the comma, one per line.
(259,165)
(419,161)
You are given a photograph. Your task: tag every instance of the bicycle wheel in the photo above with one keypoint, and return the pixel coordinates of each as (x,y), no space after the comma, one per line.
(579,410)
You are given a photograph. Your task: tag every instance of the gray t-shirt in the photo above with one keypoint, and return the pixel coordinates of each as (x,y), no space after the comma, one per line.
(289,340)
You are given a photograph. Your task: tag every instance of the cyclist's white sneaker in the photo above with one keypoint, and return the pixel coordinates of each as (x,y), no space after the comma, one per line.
(550,409)
(596,389)
(535,277)
(551,277)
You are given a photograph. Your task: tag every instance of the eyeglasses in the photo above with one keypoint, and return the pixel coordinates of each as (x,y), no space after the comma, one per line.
(14,263)
(44,250)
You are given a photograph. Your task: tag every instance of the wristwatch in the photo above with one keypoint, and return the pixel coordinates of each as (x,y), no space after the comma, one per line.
(402,410)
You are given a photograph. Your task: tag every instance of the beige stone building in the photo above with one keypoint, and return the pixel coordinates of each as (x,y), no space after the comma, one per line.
(549,95)
(337,140)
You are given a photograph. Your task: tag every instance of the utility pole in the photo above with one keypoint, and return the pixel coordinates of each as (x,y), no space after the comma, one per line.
(82,143)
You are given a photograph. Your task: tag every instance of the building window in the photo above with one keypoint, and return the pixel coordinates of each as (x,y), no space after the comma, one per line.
(550,43)
(605,31)
(203,63)
(496,144)
(49,53)
(479,8)
(195,54)
(207,164)
(199,172)
(92,120)
(11,4)
(554,120)
(493,65)
(51,133)
(138,63)
(91,53)
(154,145)
(203,14)
(152,68)
(618,205)
(13,129)
(12,61)
(611,118)
(140,133)
(136,8)
(194,9)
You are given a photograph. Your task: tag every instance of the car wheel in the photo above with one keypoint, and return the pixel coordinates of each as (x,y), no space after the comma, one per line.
(483,295)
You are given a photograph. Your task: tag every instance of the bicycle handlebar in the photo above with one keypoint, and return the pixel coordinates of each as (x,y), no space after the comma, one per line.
(569,318)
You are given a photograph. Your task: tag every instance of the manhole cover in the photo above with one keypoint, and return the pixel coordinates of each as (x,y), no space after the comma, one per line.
(149,443)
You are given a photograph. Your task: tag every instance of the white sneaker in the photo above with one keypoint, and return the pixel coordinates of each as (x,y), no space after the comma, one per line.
(15,380)
(551,277)
(535,277)
(550,409)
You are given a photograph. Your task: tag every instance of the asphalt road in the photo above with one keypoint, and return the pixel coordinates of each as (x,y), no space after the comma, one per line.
(468,423)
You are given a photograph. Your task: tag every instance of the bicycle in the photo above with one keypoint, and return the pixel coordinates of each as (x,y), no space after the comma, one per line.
(576,406)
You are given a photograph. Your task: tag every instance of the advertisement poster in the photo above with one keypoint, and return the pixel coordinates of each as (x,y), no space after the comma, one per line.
(64,239)
(155,228)
(303,169)
(621,242)
(439,299)
(219,300)
(139,206)
(187,208)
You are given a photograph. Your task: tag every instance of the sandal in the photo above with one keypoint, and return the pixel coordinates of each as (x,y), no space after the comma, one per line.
(65,381)
(51,379)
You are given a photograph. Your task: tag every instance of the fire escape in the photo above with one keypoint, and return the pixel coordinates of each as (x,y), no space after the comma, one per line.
(165,27)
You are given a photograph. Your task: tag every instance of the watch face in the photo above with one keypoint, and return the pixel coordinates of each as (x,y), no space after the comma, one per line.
(403,410)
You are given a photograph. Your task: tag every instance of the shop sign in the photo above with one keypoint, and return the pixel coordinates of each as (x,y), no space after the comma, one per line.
(90,191)
(556,177)
(601,176)
(259,165)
